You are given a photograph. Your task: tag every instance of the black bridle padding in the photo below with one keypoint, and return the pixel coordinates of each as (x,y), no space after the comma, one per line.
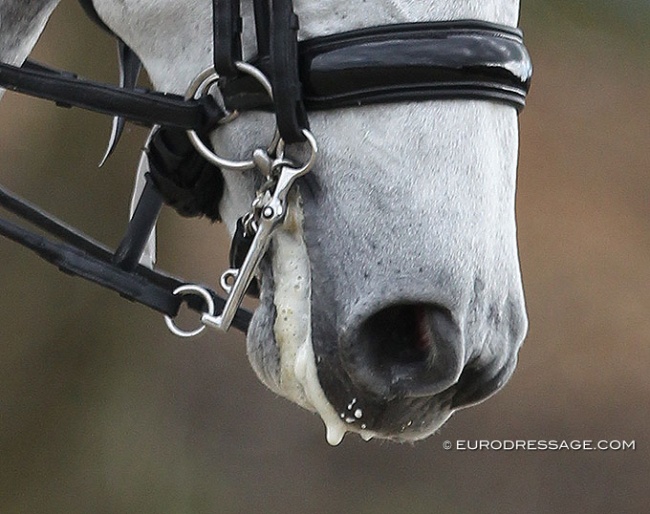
(416,61)
(404,62)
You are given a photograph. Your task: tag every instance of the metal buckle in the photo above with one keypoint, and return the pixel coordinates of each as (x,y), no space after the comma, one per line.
(268,212)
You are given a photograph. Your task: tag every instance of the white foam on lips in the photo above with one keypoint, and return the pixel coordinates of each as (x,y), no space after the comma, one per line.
(298,378)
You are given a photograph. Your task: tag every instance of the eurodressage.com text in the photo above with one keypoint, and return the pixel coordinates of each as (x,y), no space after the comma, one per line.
(539,445)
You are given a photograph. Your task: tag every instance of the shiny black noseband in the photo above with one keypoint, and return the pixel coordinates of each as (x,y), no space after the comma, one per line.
(394,63)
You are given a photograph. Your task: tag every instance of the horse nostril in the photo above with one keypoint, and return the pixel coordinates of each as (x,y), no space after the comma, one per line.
(398,335)
(406,350)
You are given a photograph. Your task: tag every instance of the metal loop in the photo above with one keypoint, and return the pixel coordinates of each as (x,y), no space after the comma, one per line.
(230,274)
(312,158)
(199,87)
(186,290)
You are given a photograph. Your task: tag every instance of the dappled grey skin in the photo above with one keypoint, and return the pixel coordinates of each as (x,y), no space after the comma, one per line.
(417,306)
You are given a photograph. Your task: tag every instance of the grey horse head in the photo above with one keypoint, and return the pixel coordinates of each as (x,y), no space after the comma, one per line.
(392,295)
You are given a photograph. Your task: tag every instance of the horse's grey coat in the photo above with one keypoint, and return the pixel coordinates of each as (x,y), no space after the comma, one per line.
(21,22)
(408,203)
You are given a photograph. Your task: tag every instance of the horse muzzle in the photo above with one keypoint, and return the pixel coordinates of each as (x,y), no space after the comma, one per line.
(400,372)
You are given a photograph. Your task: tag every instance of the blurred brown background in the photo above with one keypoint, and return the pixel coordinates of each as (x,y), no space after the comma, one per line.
(102,411)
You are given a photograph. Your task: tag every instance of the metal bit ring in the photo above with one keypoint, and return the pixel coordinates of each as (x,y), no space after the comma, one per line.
(186,290)
(312,157)
(199,87)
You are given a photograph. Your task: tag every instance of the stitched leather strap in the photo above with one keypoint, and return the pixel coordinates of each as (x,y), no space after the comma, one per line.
(142,106)
(77,254)
(290,110)
(227,30)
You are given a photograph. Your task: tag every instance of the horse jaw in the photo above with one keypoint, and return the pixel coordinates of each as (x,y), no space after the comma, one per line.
(21,23)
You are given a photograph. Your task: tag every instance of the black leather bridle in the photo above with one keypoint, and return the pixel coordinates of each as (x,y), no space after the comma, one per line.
(407,62)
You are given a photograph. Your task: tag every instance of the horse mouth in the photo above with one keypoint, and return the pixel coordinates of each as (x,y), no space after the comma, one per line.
(397,373)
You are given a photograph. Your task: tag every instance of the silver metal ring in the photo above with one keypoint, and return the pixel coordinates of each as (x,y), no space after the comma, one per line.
(199,87)
(204,79)
(190,289)
(312,158)
(229,274)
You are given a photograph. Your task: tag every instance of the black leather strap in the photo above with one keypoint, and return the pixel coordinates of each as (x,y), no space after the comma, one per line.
(227,30)
(128,253)
(276,28)
(77,254)
(290,111)
(139,105)
(262,13)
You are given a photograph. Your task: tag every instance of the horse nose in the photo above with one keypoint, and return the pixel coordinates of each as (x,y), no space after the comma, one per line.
(409,350)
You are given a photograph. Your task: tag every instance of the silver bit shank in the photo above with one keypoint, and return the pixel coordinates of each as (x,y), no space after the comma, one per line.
(244,274)
(273,213)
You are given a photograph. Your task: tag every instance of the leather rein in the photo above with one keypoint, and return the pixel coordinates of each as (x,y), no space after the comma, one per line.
(467,59)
